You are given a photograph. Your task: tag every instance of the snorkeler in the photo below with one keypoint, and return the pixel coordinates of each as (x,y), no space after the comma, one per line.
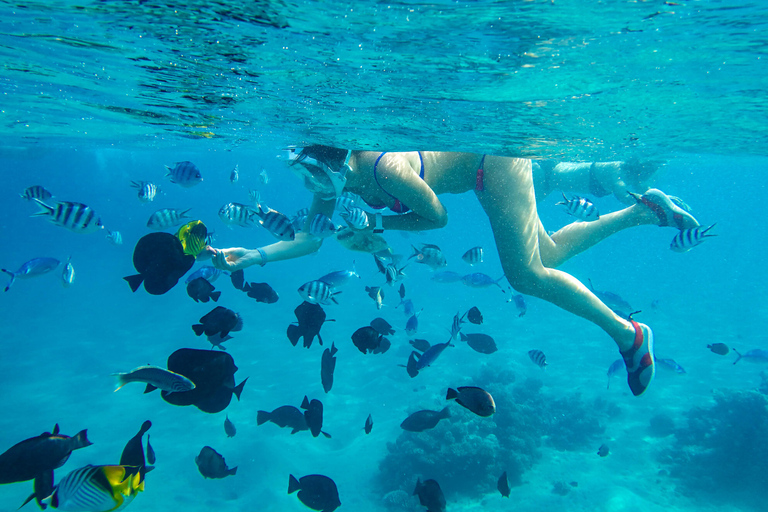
(408,183)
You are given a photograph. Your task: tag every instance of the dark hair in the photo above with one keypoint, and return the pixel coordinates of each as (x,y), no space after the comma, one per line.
(330,156)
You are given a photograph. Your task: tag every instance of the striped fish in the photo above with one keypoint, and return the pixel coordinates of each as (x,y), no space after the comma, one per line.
(473,256)
(237,214)
(147,190)
(68,274)
(167,218)
(264,177)
(114,237)
(344,203)
(357,218)
(687,239)
(456,326)
(317,292)
(97,489)
(538,358)
(253,196)
(276,223)
(76,217)
(36,192)
(297,223)
(580,207)
(322,227)
(185,174)
(155,378)
(235,174)
(32,268)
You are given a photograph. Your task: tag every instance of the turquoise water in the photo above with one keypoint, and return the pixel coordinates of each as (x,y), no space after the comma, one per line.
(96,94)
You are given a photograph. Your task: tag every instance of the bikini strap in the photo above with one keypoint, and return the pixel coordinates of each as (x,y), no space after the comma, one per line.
(479,184)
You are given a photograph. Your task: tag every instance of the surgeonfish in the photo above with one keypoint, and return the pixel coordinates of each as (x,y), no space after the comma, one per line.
(155,378)
(503,485)
(430,495)
(76,217)
(36,192)
(477,400)
(687,239)
(147,191)
(185,174)
(211,464)
(580,207)
(317,292)
(753,356)
(474,316)
(97,489)
(317,492)
(32,268)
(538,358)
(167,218)
(430,356)
(46,452)
(473,256)
(235,174)
(327,367)
(368,424)
(480,342)
(720,349)
(160,262)
(229,427)
(423,420)
(238,215)
(68,274)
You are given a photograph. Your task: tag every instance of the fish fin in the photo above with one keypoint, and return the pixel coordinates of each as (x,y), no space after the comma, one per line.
(215,296)
(333,349)
(134,281)
(44,208)
(294,333)
(120,381)
(738,358)
(150,388)
(147,469)
(319,340)
(463,336)
(32,496)
(55,429)
(445,413)
(326,434)
(81,439)
(239,388)
(232,471)
(293,484)
(262,417)
(13,278)
(199,329)
(294,431)
(451,394)
(305,403)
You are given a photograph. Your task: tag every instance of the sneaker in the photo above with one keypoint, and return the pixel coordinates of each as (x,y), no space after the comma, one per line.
(669,213)
(639,359)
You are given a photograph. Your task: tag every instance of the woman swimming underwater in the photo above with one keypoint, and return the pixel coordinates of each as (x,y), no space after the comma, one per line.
(409,184)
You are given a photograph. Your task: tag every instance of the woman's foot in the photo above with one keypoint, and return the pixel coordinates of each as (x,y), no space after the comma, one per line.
(639,359)
(668,213)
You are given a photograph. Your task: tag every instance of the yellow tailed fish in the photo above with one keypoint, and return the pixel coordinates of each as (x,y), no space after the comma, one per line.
(97,489)
(192,236)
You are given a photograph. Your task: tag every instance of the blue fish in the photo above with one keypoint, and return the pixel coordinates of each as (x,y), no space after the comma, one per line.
(408,307)
(480,280)
(32,268)
(754,356)
(340,277)
(519,301)
(431,355)
(670,364)
(447,276)
(412,325)
(615,367)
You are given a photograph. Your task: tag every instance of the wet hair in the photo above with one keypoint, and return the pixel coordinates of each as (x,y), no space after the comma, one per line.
(332,157)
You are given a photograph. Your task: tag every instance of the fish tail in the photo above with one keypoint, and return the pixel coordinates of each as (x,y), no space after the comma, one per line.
(44,208)
(198,328)
(704,231)
(239,388)
(738,358)
(262,417)
(134,281)
(293,484)
(415,253)
(451,394)
(121,380)
(445,413)
(232,471)
(81,440)
(215,296)
(13,278)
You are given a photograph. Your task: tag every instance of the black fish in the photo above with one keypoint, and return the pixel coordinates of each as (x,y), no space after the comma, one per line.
(151,457)
(133,453)
(317,492)
(430,495)
(200,290)
(229,427)
(366,339)
(262,292)
(480,343)
(238,279)
(719,348)
(473,398)
(603,450)
(313,414)
(420,345)
(424,420)
(368,424)
(31,457)
(503,485)
(212,465)
(218,320)
(475,316)
(212,372)
(384,345)
(327,366)
(43,488)
(382,326)
(284,416)
(310,319)
(160,262)
(412,366)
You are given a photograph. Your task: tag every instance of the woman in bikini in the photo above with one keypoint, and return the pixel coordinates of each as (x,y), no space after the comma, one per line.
(409,184)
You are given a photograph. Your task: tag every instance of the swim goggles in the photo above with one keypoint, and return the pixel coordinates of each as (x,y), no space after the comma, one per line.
(318,177)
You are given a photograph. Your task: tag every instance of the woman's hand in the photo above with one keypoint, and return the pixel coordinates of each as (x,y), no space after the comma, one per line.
(232,259)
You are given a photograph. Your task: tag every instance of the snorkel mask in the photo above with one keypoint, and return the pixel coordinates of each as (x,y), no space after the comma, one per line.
(318,177)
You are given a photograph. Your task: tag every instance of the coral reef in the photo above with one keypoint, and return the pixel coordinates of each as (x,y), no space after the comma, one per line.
(722,453)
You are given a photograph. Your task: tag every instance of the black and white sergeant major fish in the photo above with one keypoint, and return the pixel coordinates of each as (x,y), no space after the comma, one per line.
(322,227)
(76,217)
(355,217)
(36,192)
(264,177)
(473,256)
(147,190)
(317,292)
(211,464)
(235,174)
(68,274)
(114,237)
(344,202)
(167,218)
(687,239)
(317,492)
(477,400)
(185,174)
(276,223)
(97,489)
(237,214)
(456,325)
(580,207)
(538,358)
(32,268)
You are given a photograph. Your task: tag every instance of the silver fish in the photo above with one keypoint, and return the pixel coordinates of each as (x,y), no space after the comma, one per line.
(473,256)
(687,239)
(147,190)
(68,274)
(753,356)
(264,177)
(580,207)
(114,237)
(76,217)
(237,214)
(235,174)
(340,277)
(430,255)
(456,325)
(322,227)
(185,174)
(167,218)
(357,218)
(615,367)
(480,280)
(32,268)
(155,378)
(317,292)
(538,358)
(36,192)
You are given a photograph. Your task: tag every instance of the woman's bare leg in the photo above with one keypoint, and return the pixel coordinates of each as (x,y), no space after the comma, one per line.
(509,200)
